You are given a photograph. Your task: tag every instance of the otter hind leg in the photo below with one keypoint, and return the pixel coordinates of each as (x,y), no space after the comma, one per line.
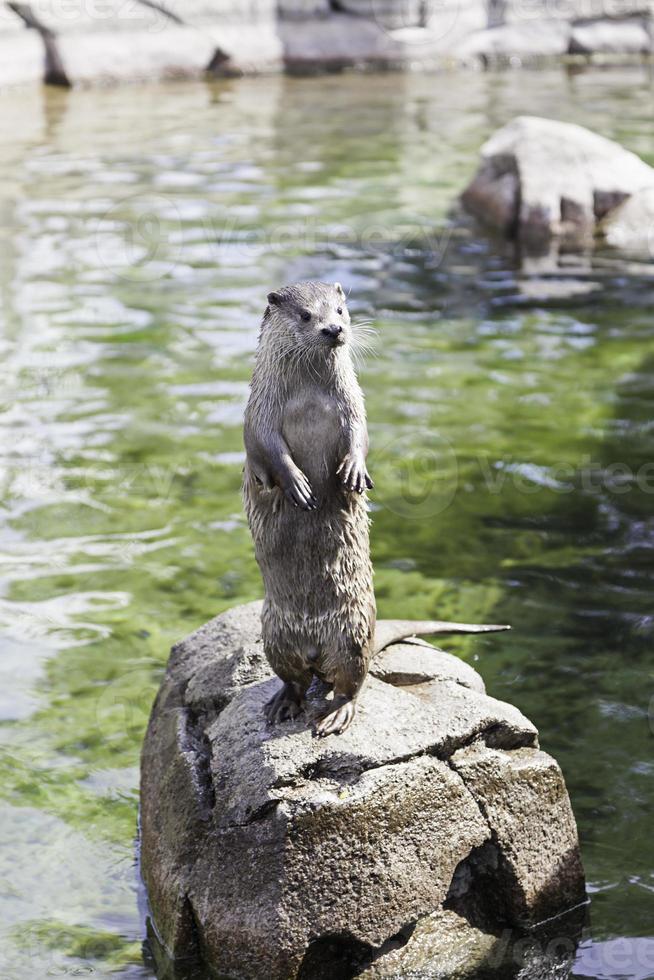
(339,718)
(288,702)
(347,684)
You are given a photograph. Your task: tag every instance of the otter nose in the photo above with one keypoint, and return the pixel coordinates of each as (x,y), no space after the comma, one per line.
(334,330)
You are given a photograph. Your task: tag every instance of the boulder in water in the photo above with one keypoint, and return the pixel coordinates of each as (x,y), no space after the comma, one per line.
(269,853)
(541,179)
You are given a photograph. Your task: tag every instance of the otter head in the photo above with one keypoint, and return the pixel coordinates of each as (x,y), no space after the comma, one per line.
(314,314)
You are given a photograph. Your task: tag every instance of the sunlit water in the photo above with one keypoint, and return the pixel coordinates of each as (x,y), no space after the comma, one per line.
(512,448)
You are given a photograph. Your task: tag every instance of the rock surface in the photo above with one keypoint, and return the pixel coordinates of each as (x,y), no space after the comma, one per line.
(630,36)
(529,39)
(445,946)
(21,51)
(541,179)
(268,853)
(110,41)
(83,42)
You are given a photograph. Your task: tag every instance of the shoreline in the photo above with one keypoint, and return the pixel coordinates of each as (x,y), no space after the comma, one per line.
(147,42)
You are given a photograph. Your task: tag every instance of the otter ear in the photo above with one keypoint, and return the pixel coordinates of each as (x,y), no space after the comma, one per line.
(275,299)
(339,288)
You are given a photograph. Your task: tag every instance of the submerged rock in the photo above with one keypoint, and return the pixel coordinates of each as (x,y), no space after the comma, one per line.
(541,179)
(267,853)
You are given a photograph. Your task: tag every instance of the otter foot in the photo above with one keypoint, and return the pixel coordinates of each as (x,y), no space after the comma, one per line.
(337,720)
(287,703)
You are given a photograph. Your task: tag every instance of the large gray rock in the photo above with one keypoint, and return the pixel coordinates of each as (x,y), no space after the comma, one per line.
(98,42)
(540,179)
(110,41)
(108,58)
(383,39)
(268,853)
(21,51)
(604,36)
(529,39)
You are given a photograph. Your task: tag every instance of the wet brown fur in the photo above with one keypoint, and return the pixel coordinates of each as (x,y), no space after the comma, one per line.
(305,484)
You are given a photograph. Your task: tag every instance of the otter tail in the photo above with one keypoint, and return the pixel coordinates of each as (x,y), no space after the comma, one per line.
(393,630)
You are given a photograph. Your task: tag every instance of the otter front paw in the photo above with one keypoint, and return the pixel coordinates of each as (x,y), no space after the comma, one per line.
(354,475)
(298,491)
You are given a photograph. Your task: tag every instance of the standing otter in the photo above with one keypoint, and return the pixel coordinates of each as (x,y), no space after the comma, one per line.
(304,489)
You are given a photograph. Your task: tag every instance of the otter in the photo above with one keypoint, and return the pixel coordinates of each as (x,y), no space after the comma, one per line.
(305,492)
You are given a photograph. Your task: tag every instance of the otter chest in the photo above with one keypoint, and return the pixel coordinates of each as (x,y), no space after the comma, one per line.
(313,429)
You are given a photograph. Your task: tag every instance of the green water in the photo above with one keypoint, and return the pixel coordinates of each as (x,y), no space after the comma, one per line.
(512,450)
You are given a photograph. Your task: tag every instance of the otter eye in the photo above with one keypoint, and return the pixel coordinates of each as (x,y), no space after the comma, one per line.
(340,311)
(306,316)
